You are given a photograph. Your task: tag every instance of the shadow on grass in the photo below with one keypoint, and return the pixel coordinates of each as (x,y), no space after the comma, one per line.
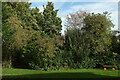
(60,76)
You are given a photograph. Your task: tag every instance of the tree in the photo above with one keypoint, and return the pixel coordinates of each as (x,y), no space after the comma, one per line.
(16,28)
(49,42)
(76,20)
(77,50)
(97,31)
(52,24)
(13,35)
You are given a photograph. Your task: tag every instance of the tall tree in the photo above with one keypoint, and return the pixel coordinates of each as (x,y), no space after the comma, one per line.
(17,24)
(97,33)
(13,35)
(52,23)
(97,27)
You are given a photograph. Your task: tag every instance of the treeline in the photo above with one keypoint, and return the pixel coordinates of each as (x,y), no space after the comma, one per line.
(32,39)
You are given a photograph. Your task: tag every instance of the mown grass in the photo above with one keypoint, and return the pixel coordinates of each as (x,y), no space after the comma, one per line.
(63,74)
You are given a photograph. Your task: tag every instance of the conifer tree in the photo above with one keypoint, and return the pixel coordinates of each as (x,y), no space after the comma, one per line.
(52,23)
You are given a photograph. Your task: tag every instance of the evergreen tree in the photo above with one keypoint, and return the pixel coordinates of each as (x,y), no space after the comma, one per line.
(52,23)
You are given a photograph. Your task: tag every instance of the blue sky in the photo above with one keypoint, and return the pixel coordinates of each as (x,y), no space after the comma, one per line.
(66,7)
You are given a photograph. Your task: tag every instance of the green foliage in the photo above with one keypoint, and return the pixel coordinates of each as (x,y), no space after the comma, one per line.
(89,47)
(13,35)
(78,55)
(27,35)
(52,24)
(45,53)
(115,47)
(97,31)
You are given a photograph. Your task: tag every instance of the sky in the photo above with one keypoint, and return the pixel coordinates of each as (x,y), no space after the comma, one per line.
(65,7)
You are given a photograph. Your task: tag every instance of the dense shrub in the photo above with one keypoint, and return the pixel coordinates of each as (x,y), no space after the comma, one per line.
(77,52)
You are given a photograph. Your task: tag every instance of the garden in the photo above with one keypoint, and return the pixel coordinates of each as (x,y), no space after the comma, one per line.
(34,48)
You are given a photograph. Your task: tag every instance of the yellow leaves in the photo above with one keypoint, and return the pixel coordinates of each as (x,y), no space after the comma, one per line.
(115,54)
(18,34)
(18,39)
(47,46)
(14,22)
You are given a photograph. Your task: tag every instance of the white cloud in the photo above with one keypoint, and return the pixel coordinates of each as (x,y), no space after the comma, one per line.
(96,6)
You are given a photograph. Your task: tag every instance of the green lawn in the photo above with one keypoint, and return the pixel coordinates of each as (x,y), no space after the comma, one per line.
(25,74)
